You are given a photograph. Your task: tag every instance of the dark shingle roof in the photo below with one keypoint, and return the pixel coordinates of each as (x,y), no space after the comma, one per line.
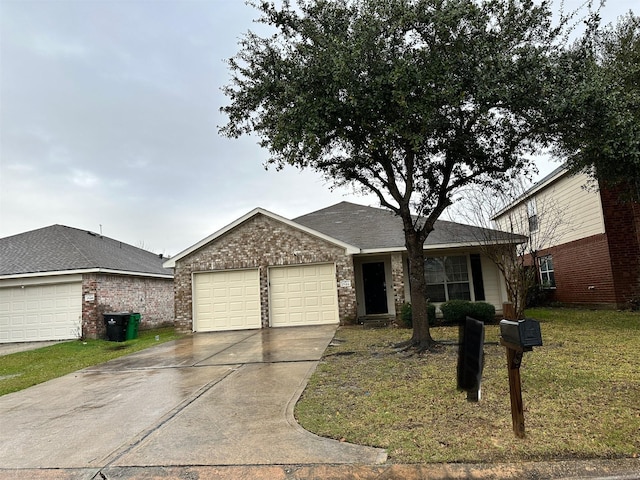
(376,228)
(60,248)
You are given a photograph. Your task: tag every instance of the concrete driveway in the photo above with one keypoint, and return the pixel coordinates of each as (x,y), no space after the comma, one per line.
(222,398)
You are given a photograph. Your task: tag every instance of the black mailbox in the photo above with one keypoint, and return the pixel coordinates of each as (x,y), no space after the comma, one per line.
(525,333)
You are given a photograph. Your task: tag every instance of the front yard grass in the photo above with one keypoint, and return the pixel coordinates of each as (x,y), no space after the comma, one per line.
(581,393)
(25,369)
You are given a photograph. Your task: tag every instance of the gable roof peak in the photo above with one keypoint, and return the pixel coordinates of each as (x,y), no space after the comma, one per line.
(171,263)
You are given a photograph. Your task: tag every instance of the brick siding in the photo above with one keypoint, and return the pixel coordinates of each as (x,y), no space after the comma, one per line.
(582,272)
(622,224)
(397,274)
(261,242)
(151,297)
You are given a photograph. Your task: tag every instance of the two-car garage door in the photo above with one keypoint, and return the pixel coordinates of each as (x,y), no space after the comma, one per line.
(298,295)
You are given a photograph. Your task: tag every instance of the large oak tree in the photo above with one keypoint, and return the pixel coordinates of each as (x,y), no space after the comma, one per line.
(408,99)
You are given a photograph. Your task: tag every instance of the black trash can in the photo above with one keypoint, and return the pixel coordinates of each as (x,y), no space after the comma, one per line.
(116,324)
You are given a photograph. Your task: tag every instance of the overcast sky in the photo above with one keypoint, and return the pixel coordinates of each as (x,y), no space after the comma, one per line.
(108,122)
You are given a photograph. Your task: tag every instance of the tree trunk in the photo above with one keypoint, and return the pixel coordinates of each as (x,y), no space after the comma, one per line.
(421,338)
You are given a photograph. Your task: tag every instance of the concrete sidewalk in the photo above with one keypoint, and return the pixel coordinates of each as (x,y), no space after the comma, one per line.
(624,469)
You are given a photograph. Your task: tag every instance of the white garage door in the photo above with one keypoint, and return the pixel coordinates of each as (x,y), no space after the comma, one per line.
(226,300)
(40,312)
(303,295)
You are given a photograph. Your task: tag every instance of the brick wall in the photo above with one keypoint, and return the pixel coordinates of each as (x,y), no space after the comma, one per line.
(622,224)
(260,242)
(397,274)
(151,297)
(582,272)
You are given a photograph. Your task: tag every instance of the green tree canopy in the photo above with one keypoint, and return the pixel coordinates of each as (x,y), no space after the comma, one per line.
(408,99)
(599,103)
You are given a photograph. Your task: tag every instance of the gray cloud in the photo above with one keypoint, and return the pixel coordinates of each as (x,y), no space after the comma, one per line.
(109,113)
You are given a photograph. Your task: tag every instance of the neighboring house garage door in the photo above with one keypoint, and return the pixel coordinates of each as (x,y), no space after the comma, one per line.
(226,300)
(40,312)
(303,295)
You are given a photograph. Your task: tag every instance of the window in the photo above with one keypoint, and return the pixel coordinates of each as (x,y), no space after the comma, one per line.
(532,214)
(547,276)
(447,278)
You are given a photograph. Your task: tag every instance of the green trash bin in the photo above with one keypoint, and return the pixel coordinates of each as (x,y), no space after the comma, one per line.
(132,326)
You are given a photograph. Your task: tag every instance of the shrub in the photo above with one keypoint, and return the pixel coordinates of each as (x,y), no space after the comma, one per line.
(407,316)
(455,311)
(537,296)
(483,311)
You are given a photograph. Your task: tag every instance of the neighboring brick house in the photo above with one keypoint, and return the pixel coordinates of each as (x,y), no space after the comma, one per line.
(56,282)
(340,264)
(594,256)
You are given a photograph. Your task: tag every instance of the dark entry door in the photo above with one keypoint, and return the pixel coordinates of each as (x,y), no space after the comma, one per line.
(375,288)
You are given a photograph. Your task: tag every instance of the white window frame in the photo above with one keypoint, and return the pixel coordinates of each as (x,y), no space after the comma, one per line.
(545,271)
(446,283)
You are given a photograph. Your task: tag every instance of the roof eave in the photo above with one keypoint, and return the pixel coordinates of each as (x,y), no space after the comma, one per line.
(542,184)
(84,271)
(442,246)
(478,243)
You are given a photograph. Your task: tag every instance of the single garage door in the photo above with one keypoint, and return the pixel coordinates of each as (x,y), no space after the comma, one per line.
(40,312)
(303,295)
(226,300)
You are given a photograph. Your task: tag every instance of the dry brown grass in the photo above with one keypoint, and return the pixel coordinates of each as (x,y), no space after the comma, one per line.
(581,393)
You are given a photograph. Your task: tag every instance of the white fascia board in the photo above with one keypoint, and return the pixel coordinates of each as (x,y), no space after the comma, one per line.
(84,271)
(480,243)
(350,249)
(541,185)
(369,251)
(133,274)
(171,263)
(41,280)
(439,246)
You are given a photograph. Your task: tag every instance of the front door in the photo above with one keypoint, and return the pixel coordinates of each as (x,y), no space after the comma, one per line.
(375,288)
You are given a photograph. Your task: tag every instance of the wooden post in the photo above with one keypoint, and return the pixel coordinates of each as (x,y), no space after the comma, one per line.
(508,311)
(514,359)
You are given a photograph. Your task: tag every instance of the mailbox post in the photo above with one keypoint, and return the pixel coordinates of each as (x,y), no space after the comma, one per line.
(518,337)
